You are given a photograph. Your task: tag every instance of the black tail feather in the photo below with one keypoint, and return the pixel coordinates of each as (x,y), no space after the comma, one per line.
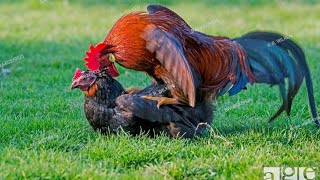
(273,58)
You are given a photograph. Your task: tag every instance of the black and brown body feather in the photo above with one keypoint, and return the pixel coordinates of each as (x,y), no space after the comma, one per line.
(111,108)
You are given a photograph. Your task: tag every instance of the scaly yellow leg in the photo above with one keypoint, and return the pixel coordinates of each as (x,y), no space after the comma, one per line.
(132,90)
(162,100)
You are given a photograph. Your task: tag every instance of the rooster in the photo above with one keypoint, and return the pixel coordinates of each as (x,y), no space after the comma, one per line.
(198,66)
(108,107)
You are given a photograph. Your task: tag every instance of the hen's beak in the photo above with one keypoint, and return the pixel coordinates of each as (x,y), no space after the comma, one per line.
(74,85)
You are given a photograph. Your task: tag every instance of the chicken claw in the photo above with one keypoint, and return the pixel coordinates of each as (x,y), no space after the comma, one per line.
(132,90)
(162,100)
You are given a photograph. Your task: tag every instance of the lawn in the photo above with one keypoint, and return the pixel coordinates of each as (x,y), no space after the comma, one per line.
(44,133)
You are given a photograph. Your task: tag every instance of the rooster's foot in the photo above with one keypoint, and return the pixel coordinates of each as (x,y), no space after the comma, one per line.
(162,100)
(132,90)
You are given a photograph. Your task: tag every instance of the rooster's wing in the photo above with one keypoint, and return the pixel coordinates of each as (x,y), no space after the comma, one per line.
(169,52)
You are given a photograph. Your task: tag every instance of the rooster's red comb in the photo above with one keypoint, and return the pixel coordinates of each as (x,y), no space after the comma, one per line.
(93,56)
(77,74)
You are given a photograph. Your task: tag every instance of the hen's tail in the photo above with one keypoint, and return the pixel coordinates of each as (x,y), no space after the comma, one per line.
(273,58)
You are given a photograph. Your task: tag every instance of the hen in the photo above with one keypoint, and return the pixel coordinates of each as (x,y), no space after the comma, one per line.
(108,107)
(198,66)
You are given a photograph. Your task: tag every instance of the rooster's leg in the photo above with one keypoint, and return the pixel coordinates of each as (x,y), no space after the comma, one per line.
(284,106)
(132,90)
(162,100)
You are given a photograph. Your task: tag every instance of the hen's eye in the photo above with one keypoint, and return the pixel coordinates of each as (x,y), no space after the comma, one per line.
(111,57)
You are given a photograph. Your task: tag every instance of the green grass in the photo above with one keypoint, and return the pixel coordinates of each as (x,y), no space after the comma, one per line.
(43,130)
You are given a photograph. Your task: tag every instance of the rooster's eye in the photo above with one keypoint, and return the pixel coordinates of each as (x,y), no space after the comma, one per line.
(112,58)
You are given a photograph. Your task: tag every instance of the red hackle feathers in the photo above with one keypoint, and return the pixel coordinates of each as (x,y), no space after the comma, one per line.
(92,58)
(214,60)
(77,74)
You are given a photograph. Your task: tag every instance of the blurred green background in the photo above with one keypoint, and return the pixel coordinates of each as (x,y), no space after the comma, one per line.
(43,131)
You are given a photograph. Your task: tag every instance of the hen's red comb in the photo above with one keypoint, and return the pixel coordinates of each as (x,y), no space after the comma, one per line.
(93,56)
(77,74)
